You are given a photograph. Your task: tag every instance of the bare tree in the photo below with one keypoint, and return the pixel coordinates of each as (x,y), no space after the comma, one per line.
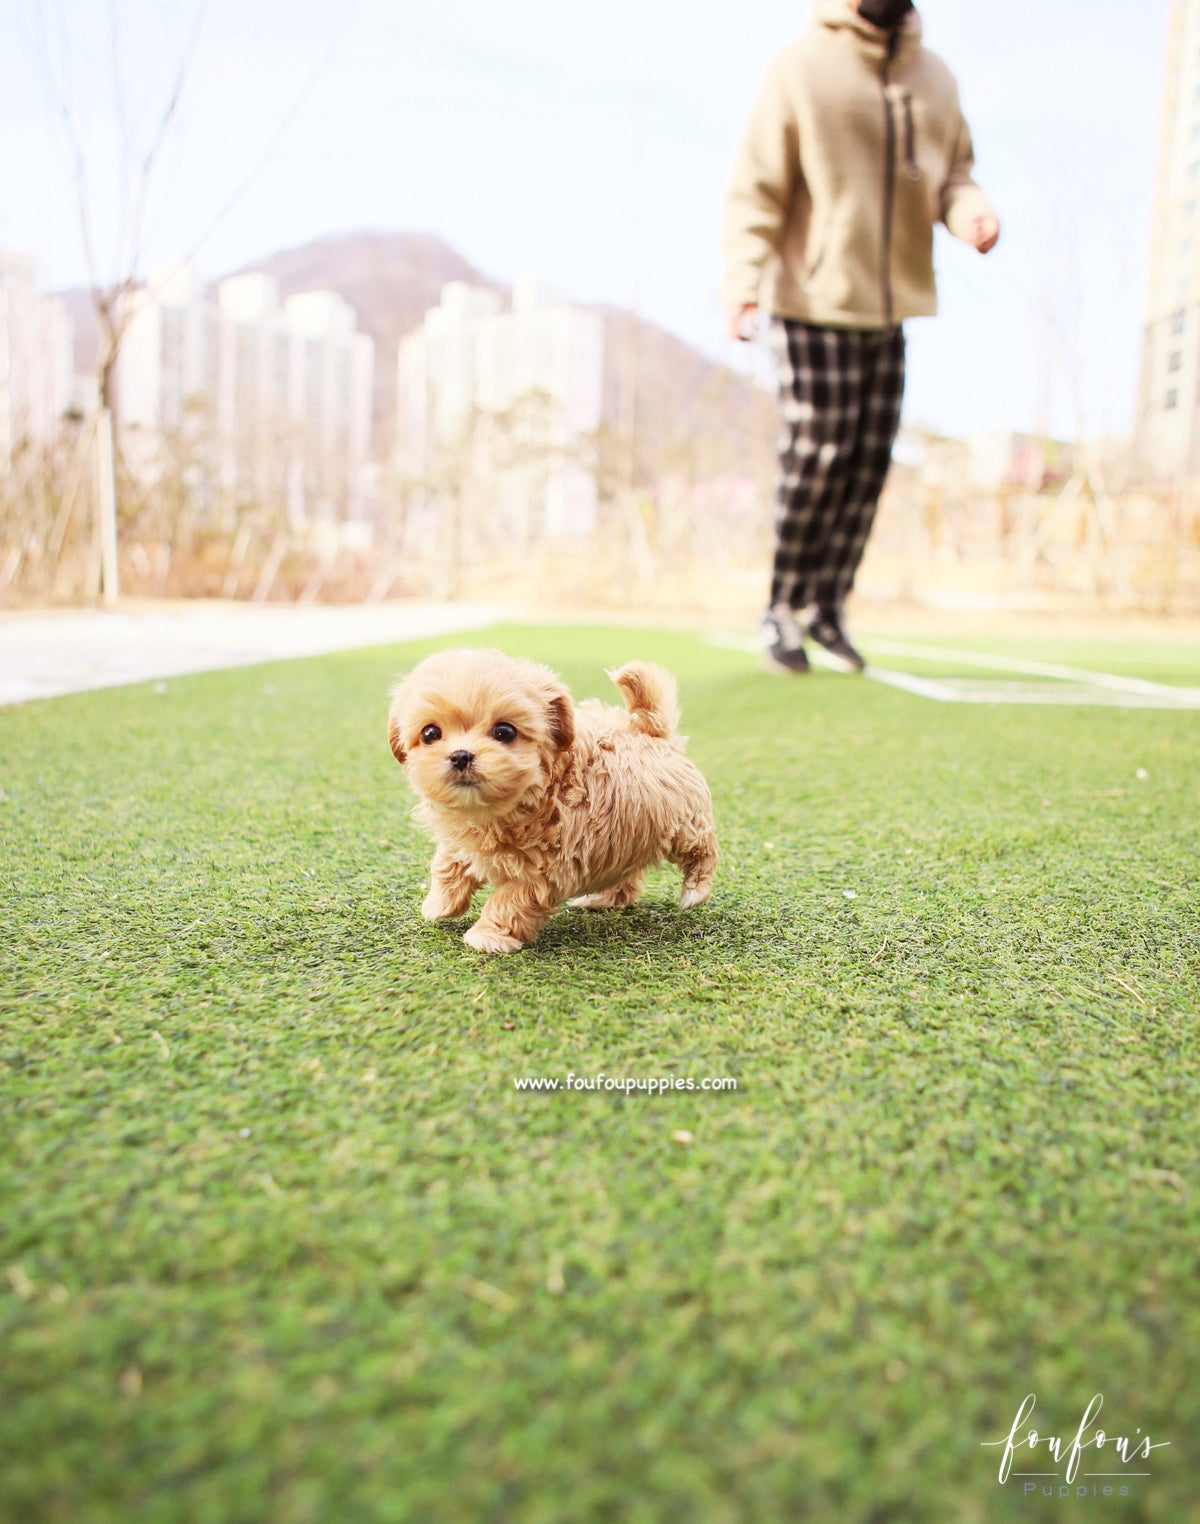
(142,140)
(139,154)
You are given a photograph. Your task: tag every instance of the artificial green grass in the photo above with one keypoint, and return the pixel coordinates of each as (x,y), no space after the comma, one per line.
(280,1240)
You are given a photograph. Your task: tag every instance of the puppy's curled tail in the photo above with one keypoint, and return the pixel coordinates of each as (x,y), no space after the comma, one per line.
(650,696)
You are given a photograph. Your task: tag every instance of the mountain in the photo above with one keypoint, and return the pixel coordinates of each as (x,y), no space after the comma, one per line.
(684,401)
(390,279)
(687,412)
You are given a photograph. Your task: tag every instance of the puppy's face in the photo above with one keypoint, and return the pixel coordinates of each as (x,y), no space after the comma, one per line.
(476,730)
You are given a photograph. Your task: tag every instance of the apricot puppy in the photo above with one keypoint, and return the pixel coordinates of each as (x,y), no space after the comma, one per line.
(545,801)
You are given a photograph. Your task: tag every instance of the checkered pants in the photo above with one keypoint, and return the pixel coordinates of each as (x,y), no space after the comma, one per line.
(839,394)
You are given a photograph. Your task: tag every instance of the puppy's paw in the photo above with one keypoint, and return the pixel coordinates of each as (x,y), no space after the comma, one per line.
(693,895)
(487,939)
(437,906)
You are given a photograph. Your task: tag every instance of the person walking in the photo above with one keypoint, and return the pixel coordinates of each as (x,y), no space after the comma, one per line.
(855,148)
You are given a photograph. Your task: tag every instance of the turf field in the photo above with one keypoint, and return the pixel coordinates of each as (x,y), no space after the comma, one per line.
(282,1241)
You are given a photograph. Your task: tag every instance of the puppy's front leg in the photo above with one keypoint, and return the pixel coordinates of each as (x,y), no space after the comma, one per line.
(510,920)
(453,885)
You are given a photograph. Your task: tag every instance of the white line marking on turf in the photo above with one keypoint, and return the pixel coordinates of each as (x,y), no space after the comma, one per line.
(1068,686)
(924,687)
(1035,669)
(966,690)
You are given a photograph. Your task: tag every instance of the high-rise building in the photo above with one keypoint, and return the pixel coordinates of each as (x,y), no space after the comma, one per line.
(513,396)
(333,372)
(1168,414)
(273,400)
(166,369)
(36,366)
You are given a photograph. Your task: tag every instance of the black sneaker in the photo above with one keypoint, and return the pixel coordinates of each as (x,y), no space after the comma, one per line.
(783,641)
(825,627)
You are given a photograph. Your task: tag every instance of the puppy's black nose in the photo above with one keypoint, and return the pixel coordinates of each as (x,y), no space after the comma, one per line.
(461,760)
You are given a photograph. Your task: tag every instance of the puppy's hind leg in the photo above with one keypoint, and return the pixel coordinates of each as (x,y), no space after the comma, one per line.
(612,899)
(697,859)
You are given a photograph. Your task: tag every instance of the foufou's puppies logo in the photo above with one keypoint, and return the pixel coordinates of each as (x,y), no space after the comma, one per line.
(1115,1461)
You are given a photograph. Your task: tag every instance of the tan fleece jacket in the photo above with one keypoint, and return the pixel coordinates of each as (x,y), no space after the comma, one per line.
(856,146)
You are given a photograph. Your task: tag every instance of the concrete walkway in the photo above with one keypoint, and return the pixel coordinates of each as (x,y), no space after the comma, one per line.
(46,654)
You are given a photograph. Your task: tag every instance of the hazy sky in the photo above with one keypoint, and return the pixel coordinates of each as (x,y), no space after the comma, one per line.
(590,145)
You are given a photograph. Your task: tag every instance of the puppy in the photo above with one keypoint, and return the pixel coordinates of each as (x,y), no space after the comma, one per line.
(544,801)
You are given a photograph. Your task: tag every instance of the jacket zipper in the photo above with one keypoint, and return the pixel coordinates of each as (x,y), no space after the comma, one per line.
(889,179)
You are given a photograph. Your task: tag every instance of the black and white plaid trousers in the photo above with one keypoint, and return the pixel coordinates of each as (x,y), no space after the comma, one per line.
(840,391)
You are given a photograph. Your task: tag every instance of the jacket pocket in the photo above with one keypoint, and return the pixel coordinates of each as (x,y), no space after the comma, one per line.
(900,105)
(833,279)
(911,168)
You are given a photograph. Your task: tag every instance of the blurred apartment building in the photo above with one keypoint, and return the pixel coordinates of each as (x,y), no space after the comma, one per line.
(505,403)
(255,401)
(1167,436)
(37,385)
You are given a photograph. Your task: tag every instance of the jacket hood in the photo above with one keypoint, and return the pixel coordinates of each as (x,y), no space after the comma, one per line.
(843,15)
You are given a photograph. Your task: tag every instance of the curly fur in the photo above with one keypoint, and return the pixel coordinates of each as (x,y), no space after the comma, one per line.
(576,806)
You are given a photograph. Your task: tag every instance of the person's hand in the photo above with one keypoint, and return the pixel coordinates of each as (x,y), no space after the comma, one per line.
(743,324)
(983,234)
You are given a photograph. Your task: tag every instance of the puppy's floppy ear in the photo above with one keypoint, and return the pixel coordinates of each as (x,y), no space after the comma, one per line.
(395,713)
(562,718)
(560,711)
(394,740)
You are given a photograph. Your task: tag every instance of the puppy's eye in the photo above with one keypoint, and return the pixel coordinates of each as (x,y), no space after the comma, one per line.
(504,732)
(430,734)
